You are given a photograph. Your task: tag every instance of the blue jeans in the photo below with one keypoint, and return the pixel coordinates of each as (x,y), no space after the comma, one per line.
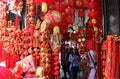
(74,71)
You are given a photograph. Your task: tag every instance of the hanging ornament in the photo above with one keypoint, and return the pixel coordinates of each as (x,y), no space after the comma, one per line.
(48,2)
(70,3)
(59,7)
(93,14)
(53,18)
(56,30)
(93,5)
(44,7)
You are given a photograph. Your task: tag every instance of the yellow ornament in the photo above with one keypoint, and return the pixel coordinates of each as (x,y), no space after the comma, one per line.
(95,29)
(44,7)
(39,72)
(94,21)
(56,30)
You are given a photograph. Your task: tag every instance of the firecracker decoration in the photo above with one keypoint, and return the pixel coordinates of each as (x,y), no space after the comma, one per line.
(3,15)
(45,51)
(30,12)
(95,23)
(56,64)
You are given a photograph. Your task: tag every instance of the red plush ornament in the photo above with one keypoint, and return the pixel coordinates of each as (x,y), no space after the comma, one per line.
(70,3)
(94,14)
(70,10)
(49,2)
(93,5)
(53,17)
(60,7)
(70,19)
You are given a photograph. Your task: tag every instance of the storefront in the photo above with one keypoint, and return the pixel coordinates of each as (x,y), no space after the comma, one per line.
(36,34)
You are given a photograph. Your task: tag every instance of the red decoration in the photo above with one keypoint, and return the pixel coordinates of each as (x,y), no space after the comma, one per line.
(70,10)
(70,3)
(56,53)
(56,63)
(94,5)
(53,17)
(93,14)
(56,73)
(60,7)
(49,2)
(17,22)
(6,73)
(56,68)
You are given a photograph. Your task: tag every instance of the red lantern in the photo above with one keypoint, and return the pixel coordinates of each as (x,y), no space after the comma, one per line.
(60,7)
(93,5)
(79,3)
(70,19)
(70,3)
(70,10)
(49,2)
(53,17)
(94,14)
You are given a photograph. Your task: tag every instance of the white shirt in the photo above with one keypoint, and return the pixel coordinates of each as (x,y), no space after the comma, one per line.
(93,59)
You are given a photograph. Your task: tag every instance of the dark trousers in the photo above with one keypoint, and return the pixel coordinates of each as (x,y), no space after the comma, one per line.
(74,71)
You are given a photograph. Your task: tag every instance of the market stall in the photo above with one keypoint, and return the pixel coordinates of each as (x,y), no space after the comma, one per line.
(34,35)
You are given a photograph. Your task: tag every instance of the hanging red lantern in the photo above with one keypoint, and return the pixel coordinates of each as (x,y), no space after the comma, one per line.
(70,3)
(93,14)
(81,13)
(93,5)
(59,7)
(70,10)
(49,2)
(79,3)
(53,18)
(85,3)
(70,19)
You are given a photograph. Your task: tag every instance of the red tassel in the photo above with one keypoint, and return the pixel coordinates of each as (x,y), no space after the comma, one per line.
(17,22)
